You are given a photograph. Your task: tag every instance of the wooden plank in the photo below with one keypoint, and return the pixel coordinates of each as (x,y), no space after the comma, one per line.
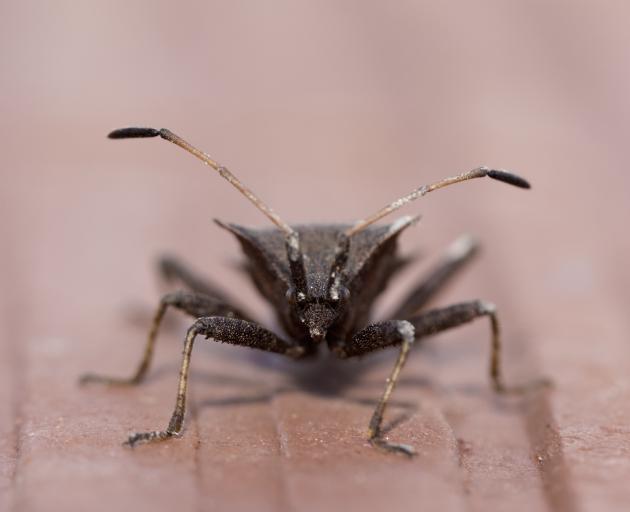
(423,95)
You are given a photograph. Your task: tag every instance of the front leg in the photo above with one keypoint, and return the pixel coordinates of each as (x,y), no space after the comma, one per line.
(225,330)
(373,337)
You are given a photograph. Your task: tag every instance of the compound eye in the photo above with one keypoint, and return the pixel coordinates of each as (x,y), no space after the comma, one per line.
(295,297)
(342,294)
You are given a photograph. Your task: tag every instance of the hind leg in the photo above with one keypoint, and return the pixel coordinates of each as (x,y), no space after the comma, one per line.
(456,256)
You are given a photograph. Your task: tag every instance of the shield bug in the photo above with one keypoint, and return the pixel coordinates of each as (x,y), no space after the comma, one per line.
(322,281)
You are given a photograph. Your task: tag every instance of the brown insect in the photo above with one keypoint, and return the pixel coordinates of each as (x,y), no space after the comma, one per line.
(322,281)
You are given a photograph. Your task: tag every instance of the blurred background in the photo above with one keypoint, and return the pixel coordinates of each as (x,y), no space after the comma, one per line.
(327,110)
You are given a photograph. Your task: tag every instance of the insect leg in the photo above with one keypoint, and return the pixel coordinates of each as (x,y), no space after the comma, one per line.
(224,330)
(373,337)
(396,332)
(194,304)
(172,269)
(458,254)
(437,320)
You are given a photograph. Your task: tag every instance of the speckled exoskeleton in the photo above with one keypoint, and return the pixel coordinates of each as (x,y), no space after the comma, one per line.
(322,281)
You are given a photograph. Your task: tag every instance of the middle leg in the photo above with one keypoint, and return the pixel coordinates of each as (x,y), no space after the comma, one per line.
(173,269)
(194,304)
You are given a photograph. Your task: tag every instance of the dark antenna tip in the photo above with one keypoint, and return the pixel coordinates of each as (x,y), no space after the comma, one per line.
(508,177)
(134,133)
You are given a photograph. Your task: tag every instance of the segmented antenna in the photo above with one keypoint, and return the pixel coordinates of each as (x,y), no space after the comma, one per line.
(480,172)
(294,253)
(135,132)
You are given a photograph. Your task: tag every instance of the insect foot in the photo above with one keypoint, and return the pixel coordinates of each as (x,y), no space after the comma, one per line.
(522,389)
(381,444)
(91,378)
(148,437)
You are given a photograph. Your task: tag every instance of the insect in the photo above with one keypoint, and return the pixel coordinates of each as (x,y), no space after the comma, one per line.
(322,281)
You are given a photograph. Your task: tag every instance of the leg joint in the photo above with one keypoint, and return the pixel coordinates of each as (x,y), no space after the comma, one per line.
(487,308)
(407,331)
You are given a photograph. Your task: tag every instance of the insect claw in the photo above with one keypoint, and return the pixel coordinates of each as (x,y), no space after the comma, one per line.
(91,378)
(535,385)
(402,449)
(147,437)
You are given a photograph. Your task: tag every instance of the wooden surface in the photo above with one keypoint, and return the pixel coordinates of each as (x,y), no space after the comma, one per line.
(327,110)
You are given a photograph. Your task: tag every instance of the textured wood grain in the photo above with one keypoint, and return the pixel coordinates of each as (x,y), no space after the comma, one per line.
(328,111)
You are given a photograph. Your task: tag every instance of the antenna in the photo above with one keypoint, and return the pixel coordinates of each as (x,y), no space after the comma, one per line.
(480,172)
(135,132)
(294,253)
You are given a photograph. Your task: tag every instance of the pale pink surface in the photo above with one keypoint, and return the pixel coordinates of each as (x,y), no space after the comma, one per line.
(327,110)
